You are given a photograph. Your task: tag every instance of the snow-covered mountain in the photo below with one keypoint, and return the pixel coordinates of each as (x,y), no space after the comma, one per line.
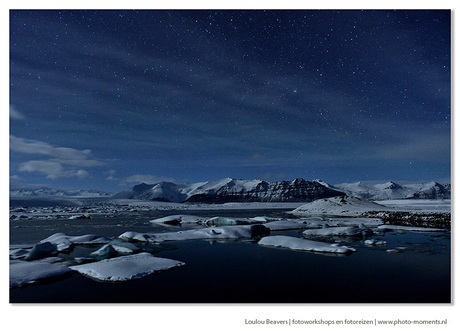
(232,190)
(39,192)
(391,190)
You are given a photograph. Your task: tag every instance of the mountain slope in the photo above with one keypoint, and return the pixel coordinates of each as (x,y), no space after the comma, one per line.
(231,190)
(391,190)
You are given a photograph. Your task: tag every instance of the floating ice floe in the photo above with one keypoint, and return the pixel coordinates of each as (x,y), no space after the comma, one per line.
(396,250)
(126,267)
(374,242)
(105,252)
(78,217)
(304,245)
(65,242)
(224,232)
(355,221)
(345,231)
(388,227)
(124,247)
(294,224)
(23,273)
(18,253)
(41,250)
(179,219)
(221,221)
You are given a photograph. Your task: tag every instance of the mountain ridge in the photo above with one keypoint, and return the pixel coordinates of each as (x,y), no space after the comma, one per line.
(391,190)
(232,190)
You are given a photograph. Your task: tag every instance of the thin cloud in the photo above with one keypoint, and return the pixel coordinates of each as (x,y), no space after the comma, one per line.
(52,169)
(64,162)
(16,114)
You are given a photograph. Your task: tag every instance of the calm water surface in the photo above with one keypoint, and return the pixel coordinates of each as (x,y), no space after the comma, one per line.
(245,272)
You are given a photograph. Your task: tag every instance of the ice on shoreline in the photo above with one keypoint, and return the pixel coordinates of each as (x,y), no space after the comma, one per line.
(224,232)
(304,245)
(126,267)
(23,273)
(341,206)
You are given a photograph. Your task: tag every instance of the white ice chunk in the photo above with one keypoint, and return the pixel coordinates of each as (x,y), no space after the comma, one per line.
(221,221)
(42,250)
(65,242)
(77,217)
(179,219)
(18,253)
(22,273)
(304,245)
(294,224)
(260,219)
(224,232)
(126,267)
(105,252)
(355,221)
(374,242)
(397,250)
(409,228)
(348,231)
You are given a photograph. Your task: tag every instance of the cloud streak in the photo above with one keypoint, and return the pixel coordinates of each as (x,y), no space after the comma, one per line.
(63,162)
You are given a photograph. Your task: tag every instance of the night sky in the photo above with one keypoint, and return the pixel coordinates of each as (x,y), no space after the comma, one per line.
(106,99)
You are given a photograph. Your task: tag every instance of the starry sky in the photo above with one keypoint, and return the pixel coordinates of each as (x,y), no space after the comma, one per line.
(108,99)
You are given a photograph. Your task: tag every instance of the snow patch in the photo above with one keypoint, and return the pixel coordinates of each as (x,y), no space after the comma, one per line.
(341,206)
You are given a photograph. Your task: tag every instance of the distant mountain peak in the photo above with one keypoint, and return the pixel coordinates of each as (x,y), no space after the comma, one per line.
(232,190)
(392,190)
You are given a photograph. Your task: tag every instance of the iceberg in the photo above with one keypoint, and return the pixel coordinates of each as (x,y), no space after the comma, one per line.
(23,273)
(345,231)
(124,247)
(374,242)
(179,219)
(396,250)
(294,224)
(18,253)
(65,243)
(388,227)
(304,245)
(105,252)
(220,221)
(126,267)
(41,251)
(224,232)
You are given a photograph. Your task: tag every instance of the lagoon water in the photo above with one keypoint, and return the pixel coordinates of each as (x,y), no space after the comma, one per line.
(245,272)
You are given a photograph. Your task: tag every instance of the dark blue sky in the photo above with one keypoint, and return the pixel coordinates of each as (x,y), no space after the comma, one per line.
(104,99)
